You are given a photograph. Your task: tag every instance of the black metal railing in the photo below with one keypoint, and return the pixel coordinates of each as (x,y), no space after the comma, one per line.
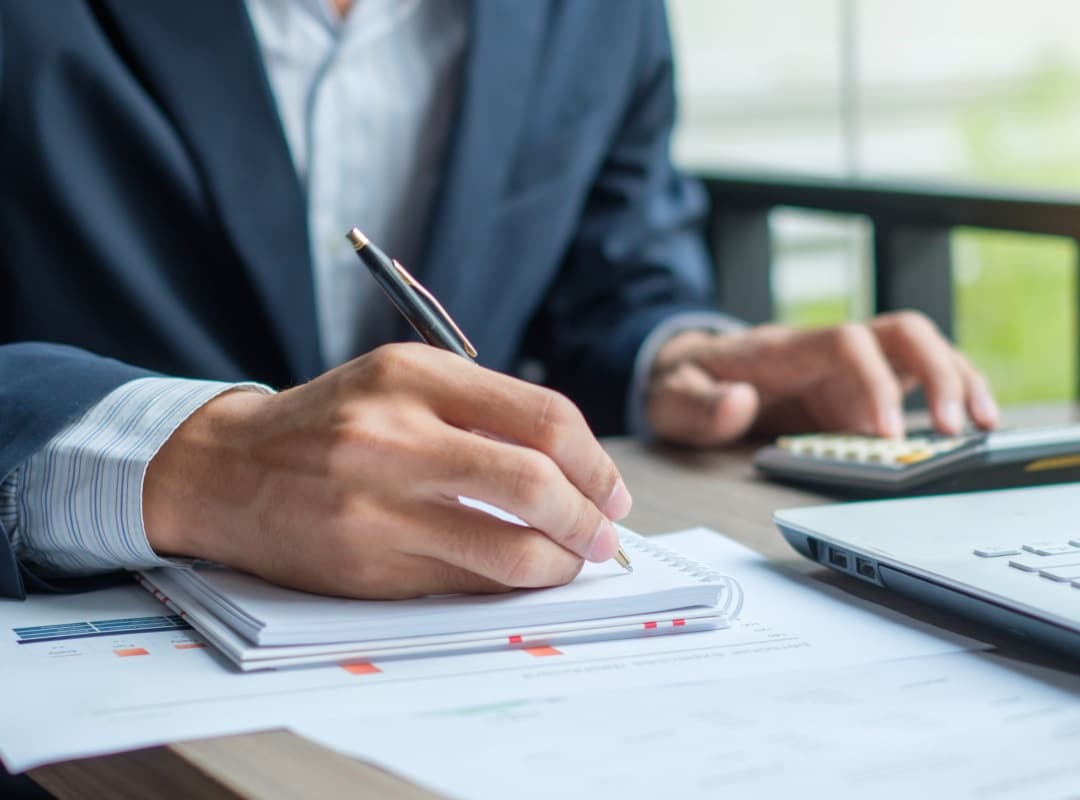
(911,223)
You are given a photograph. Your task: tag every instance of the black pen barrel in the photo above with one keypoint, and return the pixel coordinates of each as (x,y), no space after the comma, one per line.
(424,320)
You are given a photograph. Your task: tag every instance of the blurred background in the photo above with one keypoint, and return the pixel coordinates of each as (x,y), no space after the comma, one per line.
(983,92)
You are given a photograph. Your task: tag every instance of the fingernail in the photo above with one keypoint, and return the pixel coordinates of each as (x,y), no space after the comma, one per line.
(893,423)
(951,415)
(618,505)
(604,544)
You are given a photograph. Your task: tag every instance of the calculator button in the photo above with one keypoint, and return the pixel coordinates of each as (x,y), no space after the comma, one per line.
(914,457)
(996,552)
(915,449)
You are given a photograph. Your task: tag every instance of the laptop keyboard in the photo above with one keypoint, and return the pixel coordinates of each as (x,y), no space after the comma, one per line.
(1053,561)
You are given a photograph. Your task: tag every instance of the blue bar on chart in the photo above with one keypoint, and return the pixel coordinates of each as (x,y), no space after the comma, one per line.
(101,627)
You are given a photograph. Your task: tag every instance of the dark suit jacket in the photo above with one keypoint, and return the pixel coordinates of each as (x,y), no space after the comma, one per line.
(151,220)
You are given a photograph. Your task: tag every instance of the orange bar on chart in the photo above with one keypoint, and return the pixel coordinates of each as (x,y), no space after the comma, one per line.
(541,652)
(132,651)
(361,668)
(190,645)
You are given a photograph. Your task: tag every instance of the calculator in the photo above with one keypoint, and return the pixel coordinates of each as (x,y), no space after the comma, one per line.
(924,462)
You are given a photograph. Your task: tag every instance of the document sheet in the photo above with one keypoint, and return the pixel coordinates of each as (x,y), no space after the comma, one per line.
(957,726)
(108,671)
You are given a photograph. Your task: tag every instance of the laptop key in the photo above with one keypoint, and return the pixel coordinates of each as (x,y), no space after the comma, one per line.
(996,551)
(1036,563)
(1050,549)
(1061,574)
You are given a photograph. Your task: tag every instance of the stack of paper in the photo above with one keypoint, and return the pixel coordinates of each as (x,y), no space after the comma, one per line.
(259,625)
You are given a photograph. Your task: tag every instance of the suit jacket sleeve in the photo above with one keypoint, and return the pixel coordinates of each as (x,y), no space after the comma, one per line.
(44,387)
(638,256)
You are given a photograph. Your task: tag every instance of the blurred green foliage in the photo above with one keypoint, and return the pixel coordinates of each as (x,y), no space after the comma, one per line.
(1015,294)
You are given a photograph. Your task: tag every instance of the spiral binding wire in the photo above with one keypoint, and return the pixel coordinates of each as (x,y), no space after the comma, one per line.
(731,596)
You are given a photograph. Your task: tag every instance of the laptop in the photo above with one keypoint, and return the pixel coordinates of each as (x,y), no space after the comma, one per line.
(1009,558)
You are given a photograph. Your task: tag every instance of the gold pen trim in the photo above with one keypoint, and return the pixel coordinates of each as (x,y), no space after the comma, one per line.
(419,287)
(623,560)
(359,241)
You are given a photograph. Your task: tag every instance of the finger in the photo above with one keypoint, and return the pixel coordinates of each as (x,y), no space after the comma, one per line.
(473,398)
(549,423)
(914,343)
(860,388)
(839,371)
(687,405)
(980,400)
(507,554)
(409,576)
(350,561)
(530,485)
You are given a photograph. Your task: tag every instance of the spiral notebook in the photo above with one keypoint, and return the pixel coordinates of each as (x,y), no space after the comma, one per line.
(259,625)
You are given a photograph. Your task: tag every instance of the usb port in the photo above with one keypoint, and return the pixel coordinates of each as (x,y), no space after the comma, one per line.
(838,558)
(866,568)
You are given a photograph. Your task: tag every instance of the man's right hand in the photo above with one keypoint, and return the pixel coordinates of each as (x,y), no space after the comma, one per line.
(348,485)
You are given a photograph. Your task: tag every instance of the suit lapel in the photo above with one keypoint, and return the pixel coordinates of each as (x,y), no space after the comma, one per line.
(202,63)
(505,42)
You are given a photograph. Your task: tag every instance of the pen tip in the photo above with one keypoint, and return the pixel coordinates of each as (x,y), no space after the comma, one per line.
(359,241)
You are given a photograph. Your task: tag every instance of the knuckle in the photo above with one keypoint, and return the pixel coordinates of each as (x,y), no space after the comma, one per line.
(915,321)
(557,416)
(915,329)
(849,340)
(600,480)
(534,561)
(381,366)
(522,564)
(391,365)
(531,480)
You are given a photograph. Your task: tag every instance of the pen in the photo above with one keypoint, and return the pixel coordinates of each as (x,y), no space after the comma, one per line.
(423,311)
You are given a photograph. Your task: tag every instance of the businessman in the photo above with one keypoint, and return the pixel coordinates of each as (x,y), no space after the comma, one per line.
(193,364)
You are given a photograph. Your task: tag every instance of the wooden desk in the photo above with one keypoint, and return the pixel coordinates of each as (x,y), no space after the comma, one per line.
(672,488)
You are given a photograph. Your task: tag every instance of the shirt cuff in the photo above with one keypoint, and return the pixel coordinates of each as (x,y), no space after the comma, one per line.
(78,500)
(9,509)
(637,417)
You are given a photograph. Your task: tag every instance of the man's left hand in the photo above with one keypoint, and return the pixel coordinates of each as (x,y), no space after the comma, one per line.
(709,389)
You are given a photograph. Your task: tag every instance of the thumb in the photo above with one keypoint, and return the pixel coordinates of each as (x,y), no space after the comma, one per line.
(689,406)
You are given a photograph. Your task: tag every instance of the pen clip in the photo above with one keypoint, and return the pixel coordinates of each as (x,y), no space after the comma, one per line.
(418,287)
